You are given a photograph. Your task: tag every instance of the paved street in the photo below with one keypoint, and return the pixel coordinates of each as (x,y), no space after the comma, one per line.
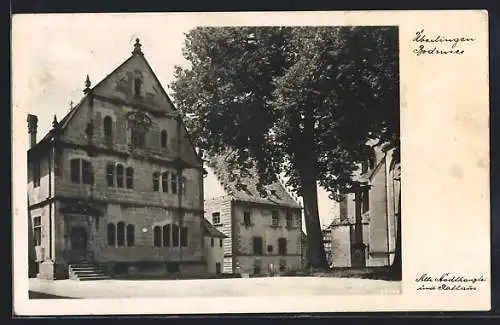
(213,288)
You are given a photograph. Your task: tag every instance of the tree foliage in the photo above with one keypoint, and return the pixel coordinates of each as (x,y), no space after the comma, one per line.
(296,100)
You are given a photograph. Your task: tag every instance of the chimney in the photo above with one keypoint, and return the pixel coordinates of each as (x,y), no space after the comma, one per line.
(32,127)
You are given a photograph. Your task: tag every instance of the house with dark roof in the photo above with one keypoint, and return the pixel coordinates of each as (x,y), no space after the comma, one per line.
(214,248)
(364,235)
(117,185)
(263,229)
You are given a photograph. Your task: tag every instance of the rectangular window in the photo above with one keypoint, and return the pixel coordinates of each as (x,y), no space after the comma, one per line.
(175,236)
(36,174)
(86,172)
(246,218)
(130,177)
(37,230)
(276,219)
(157,236)
(212,242)
(365,200)
(130,235)
(216,218)
(174,183)
(182,185)
(164,182)
(257,245)
(289,220)
(110,174)
(156,182)
(75,170)
(220,242)
(184,237)
(282,246)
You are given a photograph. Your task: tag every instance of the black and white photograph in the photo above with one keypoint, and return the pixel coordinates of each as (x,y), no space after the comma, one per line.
(167,158)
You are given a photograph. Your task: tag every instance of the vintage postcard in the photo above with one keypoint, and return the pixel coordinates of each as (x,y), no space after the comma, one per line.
(250,162)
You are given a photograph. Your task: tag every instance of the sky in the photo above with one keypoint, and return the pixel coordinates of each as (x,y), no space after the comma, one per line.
(52,54)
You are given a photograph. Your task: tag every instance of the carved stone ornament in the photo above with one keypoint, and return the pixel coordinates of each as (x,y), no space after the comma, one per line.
(139,121)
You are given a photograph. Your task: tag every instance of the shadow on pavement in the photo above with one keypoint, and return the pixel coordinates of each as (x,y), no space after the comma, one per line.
(41,295)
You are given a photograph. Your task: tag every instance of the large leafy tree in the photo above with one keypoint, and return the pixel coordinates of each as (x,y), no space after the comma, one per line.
(296,100)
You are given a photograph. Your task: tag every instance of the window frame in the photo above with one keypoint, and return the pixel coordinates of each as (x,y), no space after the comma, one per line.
(107,126)
(165,181)
(110,174)
(260,249)
(120,234)
(275,218)
(37,230)
(120,175)
(129,177)
(156,182)
(163,139)
(282,246)
(216,214)
(111,234)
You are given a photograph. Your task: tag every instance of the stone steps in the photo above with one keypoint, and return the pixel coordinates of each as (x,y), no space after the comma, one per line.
(87,271)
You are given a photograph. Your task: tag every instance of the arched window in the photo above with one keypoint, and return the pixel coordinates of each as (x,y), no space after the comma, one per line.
(110,174)
(175,236)
(108,126)
(156,182)
(163,139)
(166,235)
(120,234)
(111,234)
(174,183)
(119,175)
(130,235)
(157,236)
(164,182)
(130,177)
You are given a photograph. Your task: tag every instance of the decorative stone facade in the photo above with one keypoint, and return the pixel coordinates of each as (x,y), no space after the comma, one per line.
(116,178)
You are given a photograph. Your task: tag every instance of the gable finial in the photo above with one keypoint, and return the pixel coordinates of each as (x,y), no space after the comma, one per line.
(55,124)
(137,47)
(87,85)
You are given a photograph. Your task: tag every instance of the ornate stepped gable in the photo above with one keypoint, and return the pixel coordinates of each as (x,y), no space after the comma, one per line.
(246,189)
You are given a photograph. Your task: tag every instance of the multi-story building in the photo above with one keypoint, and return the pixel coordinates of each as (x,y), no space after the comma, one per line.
(117,182)
(369,241)
(214,248)
(264,229)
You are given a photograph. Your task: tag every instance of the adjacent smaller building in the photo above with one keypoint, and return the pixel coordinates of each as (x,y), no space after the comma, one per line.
(214,248)
(264,230)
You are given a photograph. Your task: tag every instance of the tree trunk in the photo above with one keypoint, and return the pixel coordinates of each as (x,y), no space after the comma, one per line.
(316,256)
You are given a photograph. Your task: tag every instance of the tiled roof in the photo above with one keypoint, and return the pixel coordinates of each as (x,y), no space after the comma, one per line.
(211,231)
(246,189)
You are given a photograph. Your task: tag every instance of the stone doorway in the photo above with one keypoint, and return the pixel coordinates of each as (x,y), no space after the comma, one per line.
(79,243)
